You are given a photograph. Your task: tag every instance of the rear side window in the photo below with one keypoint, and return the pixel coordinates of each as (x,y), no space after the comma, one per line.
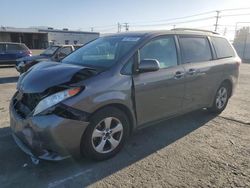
(16,47)
(77,47)
(195,49)
(222,47)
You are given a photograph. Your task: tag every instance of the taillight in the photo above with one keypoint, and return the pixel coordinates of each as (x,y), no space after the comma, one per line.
(28,52)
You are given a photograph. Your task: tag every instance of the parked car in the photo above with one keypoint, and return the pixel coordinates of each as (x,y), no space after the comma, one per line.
(91,102)
(52,53)
(10,52)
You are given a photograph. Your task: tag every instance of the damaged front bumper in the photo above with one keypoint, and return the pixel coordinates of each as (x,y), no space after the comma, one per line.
(49,137)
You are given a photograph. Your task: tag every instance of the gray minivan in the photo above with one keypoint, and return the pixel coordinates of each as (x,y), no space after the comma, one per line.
(91,102)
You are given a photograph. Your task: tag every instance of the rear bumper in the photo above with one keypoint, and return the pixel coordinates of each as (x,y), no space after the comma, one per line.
(47,137)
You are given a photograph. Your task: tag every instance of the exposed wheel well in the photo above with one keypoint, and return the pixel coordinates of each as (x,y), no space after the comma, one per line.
(230,85)
(124,109)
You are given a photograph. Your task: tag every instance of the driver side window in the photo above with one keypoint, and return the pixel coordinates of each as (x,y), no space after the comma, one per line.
(162,49)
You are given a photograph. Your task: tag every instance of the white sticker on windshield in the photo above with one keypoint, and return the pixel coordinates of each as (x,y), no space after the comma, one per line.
(131,39)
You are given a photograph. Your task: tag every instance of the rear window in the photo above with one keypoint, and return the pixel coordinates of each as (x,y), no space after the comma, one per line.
(77,47)
(16,47)
(222,47)
(195,49)
(65,50)
(50,50)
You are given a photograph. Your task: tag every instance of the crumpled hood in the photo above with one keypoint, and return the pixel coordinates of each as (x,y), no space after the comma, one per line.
(49,74)
(34,58)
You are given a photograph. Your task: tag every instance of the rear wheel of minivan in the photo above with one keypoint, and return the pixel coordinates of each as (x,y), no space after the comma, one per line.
(106,134)
(221,98)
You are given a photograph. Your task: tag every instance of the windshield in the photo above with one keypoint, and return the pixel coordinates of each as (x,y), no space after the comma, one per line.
(50,50)
(103,52)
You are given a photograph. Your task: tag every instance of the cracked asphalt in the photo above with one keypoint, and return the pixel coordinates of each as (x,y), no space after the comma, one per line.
(194,150)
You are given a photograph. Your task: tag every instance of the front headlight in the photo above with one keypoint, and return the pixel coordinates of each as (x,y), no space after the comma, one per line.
(55,99)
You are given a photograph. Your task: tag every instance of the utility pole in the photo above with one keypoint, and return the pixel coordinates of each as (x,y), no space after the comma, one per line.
(126,26)
(217,20)
(119,27)
(92,29)
(225,31)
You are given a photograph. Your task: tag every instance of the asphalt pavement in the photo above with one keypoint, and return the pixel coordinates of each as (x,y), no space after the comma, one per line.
(195,150)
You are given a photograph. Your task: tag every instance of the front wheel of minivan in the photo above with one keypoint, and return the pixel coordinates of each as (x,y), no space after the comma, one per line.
(106,134)
(221,99)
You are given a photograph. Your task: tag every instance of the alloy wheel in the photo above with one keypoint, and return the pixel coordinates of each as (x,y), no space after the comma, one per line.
(221,98)
(107,135)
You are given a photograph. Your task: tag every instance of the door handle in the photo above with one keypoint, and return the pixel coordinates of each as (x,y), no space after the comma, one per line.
(192,71)
(179,75)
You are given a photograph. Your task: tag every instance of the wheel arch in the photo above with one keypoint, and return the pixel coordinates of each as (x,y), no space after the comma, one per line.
(123,108)
(229,83)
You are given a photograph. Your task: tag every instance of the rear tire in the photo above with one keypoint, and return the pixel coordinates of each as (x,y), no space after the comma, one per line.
(106,134)
(221,99)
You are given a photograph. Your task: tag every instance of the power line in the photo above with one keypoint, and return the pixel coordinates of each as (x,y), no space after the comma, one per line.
(167,22)
(194,15)
(107,29)
(218,16)
(105,26)
(178,18)
(232,9)
(205,26)
(231,15)
(174,23)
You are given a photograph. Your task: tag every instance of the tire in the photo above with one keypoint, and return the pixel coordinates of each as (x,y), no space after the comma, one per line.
(221,99)
(105,135)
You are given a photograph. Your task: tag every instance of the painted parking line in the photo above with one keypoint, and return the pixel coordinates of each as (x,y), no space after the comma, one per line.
(61,181)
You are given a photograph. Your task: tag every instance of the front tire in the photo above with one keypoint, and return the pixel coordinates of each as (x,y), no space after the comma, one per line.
(221,99)
(106,134)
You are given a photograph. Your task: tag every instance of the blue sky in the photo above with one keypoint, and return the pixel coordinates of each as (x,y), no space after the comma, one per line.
(84,14)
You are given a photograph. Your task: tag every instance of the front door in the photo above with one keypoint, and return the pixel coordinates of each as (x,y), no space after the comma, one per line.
(159,94)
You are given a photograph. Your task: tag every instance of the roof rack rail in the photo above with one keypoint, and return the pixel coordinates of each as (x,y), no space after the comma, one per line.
(193,29)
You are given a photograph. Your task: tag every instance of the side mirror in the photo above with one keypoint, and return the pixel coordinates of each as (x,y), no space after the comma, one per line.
(149,65)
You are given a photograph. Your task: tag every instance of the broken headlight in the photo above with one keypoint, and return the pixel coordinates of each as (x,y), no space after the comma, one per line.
(55,99)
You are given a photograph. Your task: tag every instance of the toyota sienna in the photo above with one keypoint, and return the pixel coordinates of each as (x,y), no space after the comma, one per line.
(91,102)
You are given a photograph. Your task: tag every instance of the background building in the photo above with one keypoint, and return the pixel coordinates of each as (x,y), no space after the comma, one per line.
(242,43)
(36,38)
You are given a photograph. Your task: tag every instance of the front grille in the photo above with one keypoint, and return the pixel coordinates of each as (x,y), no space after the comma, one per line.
(22,110)
(25,103)
(31,100)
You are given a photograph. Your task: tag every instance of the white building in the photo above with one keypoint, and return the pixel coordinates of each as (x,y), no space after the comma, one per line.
(36,38)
